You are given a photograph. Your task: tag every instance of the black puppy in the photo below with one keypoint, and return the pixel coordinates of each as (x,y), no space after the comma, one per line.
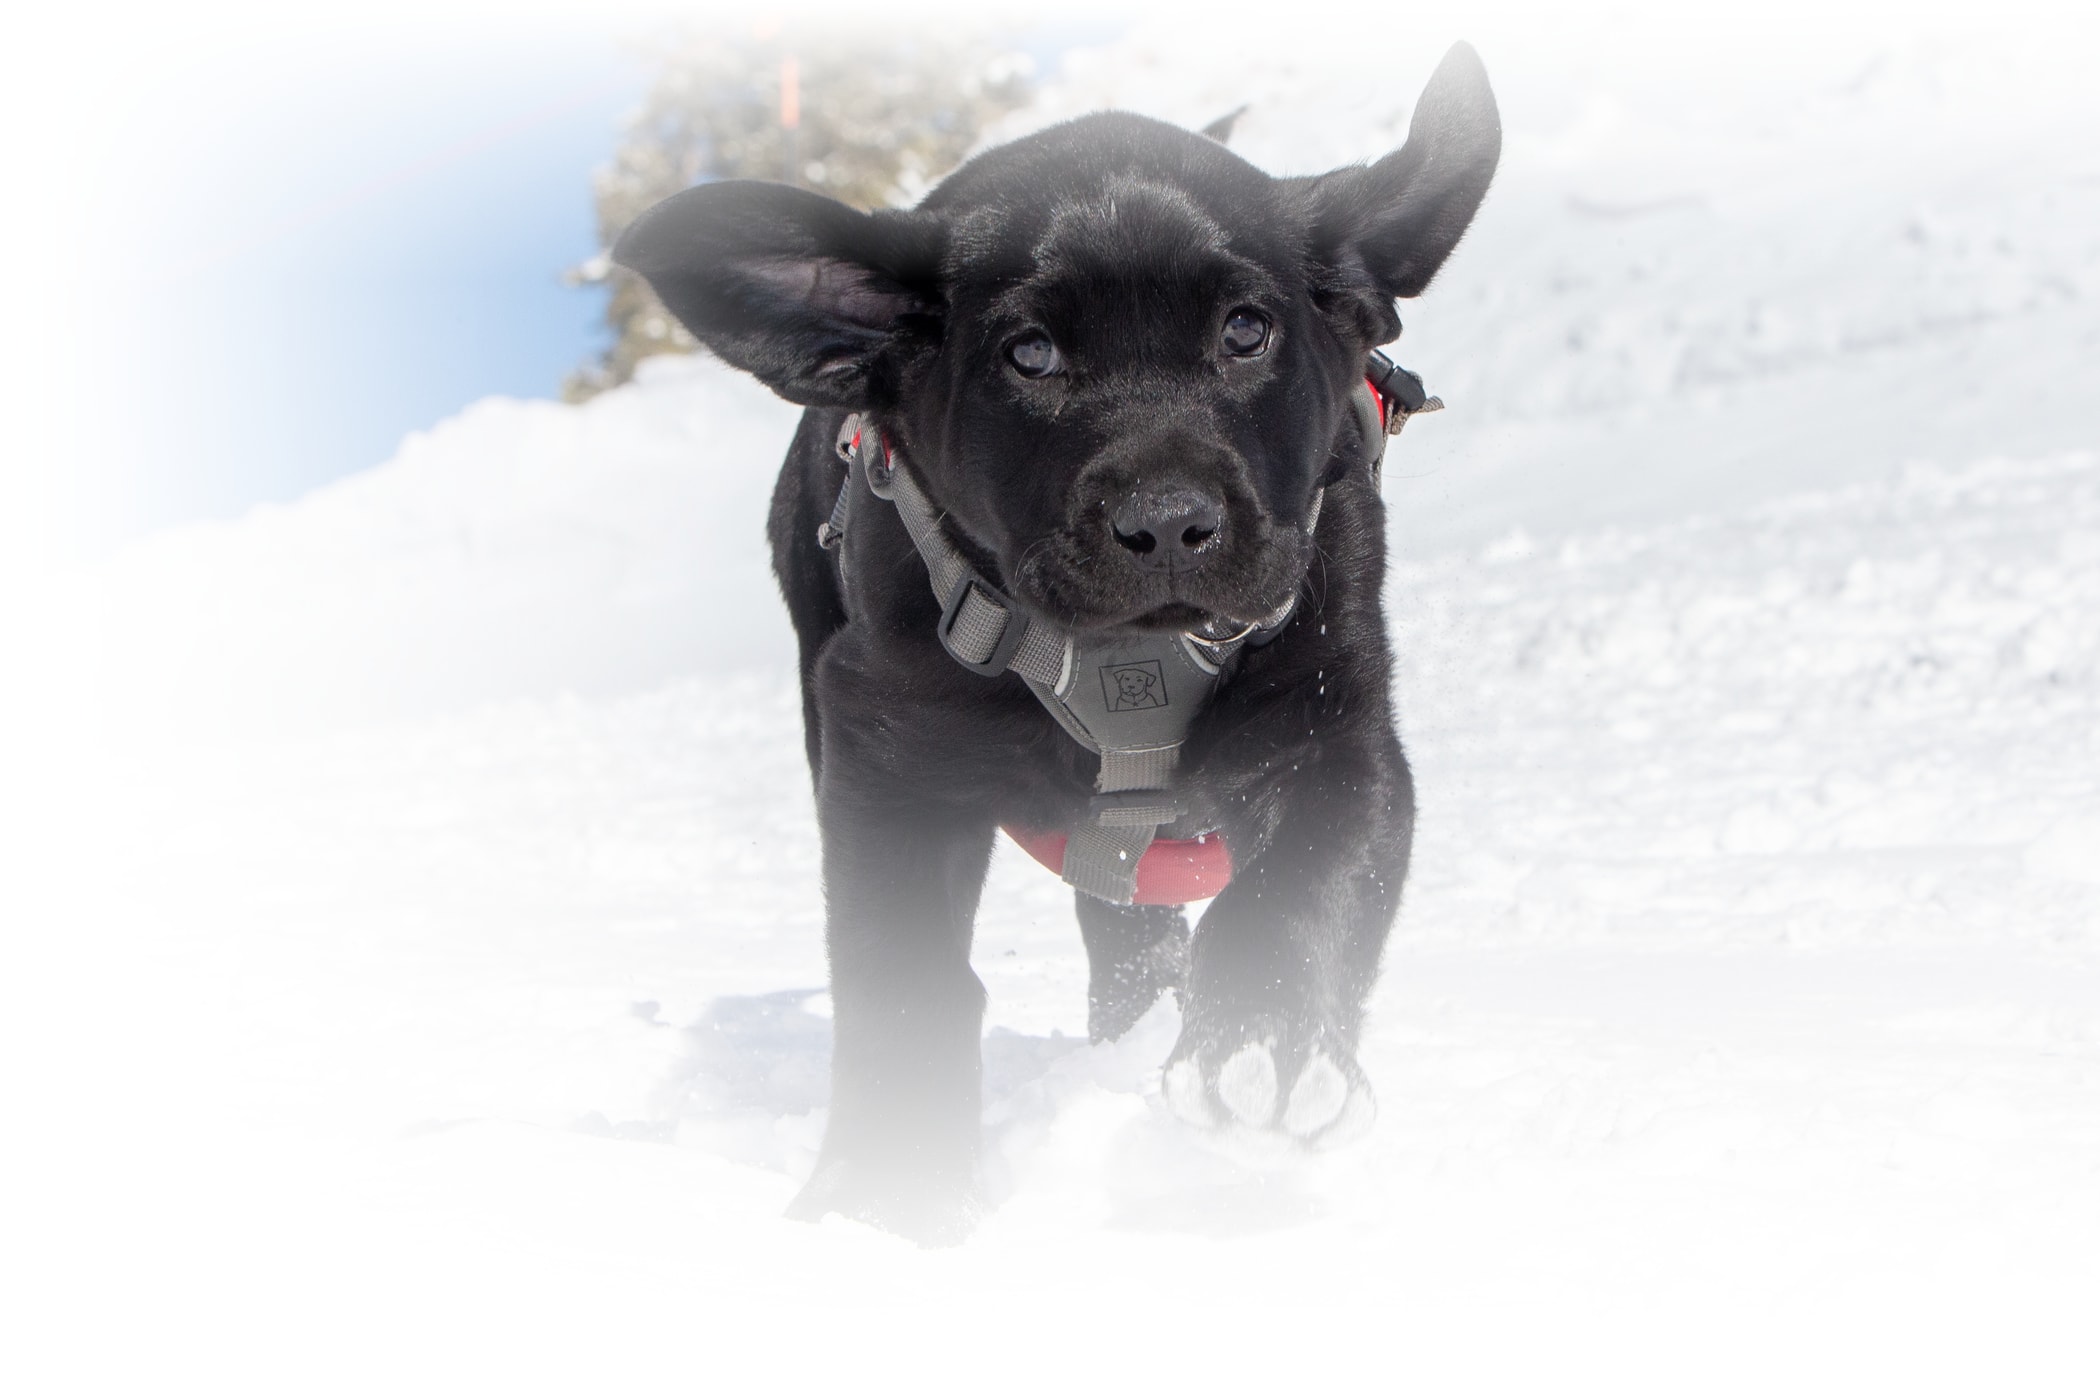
(1113,369)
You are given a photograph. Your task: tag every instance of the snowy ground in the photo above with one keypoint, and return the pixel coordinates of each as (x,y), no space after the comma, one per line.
(421,984)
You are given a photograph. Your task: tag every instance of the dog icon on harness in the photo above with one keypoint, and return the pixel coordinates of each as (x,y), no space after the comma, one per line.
(1135,685)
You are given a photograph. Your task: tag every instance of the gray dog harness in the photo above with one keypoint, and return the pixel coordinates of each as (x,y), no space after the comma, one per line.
(1131,698)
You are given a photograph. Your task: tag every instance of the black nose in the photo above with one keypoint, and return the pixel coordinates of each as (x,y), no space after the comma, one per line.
(1168,529)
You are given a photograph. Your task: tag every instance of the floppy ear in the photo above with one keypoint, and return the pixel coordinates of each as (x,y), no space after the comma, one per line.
(820,301)
(1382,231)
(1220,130)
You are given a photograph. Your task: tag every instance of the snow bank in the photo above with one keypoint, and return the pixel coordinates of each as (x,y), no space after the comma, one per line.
(520,548)
(1862,717)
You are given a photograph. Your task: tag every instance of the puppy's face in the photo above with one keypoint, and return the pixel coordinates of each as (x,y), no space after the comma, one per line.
(1135,395)
(1118,356)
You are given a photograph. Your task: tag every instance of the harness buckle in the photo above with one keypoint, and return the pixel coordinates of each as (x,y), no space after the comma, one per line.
(1011,630)
(1401,391)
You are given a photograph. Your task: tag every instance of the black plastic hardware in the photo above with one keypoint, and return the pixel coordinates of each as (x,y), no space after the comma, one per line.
(1009,637)
(1402,389)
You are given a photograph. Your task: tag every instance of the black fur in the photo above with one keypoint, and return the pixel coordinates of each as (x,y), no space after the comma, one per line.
(1128,242)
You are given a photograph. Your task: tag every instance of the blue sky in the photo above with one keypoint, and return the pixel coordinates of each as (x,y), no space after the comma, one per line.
(300,246)
(335,248)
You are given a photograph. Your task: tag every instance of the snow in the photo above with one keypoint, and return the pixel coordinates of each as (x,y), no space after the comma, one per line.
(416,972)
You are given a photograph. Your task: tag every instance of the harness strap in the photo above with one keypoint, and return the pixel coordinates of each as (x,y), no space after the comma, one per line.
(980,626)
(1151,687)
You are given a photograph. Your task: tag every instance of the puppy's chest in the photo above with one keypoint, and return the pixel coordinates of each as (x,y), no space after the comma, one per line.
(1024,766)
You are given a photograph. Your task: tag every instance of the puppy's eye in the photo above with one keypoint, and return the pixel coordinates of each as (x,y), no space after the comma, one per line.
(1246,333)
(1035,355)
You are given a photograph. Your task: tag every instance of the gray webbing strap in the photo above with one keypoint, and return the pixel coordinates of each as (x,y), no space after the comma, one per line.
(1102,861)
(1132,803)
(977,621)
(1151,688)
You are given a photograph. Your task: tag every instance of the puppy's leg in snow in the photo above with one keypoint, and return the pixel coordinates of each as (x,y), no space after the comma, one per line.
(1286,956)
(1134,952)
(901,881)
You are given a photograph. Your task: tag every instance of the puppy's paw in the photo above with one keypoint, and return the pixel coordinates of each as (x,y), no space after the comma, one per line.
(1305,1089)
(930,1212)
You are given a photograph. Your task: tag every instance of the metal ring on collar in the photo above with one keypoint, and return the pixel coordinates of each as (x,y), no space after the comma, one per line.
(1240,636)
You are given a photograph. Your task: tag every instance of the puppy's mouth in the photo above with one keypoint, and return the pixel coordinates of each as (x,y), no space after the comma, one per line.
(1180,617)
(1226,598)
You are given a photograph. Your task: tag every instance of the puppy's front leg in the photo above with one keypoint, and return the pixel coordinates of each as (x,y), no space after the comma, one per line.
(1286,956)
(1134,952)
(901,879)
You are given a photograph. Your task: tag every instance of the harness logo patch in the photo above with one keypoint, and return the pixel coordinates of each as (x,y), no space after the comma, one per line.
(1134,685)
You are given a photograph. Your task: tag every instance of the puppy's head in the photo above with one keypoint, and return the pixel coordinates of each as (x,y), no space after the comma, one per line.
(1118,356)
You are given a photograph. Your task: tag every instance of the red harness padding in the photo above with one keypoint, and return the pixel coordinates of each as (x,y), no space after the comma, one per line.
(1169,872)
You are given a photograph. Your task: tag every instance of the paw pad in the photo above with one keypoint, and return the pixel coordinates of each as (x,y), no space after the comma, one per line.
(1318,1098)
(1324,1103)
(1247,1085)
(1186,1094)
